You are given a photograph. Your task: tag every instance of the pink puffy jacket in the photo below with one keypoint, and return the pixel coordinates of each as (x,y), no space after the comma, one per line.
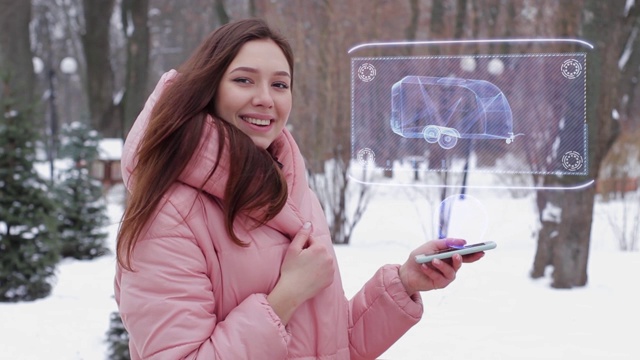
(194,294)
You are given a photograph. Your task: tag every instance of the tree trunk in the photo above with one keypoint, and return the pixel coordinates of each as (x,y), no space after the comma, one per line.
(571,253)
(100,76)
(16,65)
(221,11)
(547,234)
(253,8)
(608,29)
(137,59)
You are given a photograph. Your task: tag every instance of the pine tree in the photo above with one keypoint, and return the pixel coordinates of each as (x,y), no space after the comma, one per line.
(28,243)
(83,210)
(117,339)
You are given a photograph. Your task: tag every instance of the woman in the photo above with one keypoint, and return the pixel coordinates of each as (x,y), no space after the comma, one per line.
(224,251)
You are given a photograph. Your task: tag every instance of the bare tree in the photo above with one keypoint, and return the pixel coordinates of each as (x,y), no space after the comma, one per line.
(610,28)
(344,201)
(136,31)
(334,147)
(16,66)
(322,32)
(223,17)
(100,75)
(618,187)
(549,203)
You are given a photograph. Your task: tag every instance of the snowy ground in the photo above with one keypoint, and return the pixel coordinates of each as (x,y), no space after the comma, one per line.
(492,311)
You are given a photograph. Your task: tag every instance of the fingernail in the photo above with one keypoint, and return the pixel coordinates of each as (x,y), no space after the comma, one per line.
(453,243)
(306,225)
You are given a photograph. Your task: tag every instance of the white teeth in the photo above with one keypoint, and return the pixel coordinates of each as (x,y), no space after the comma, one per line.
(254,121)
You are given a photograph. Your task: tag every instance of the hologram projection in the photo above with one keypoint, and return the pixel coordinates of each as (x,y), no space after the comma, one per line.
(443,110)
(508,114)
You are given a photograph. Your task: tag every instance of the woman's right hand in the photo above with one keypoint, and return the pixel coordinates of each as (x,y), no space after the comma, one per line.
(308,268)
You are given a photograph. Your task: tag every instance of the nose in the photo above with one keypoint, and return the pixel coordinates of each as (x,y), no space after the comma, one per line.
(262,97)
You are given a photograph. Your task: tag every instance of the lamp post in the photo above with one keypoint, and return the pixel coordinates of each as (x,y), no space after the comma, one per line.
(68,66)
(53,122)
(39,67)
(467,64)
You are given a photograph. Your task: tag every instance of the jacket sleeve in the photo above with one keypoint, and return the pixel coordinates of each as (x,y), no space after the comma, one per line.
(167,303)
(380,313)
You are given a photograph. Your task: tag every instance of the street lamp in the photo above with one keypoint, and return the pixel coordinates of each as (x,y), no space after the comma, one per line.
(39,67)
(495,66)
(68,66)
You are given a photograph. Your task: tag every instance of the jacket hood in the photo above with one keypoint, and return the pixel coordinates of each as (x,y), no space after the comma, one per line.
(284,148)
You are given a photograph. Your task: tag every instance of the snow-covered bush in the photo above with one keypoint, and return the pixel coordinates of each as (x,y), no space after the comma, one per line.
(117,339)
(83,211)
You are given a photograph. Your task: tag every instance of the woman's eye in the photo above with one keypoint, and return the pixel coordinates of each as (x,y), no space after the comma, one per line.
(242,80)
(281,85)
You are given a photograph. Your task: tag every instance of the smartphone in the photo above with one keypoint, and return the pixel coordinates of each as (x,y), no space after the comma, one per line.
(463,250)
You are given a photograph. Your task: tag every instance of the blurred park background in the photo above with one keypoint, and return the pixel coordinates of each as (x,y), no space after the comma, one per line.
(75,73)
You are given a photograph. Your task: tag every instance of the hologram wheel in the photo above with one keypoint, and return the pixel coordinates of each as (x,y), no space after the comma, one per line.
(447,141)
(431,134)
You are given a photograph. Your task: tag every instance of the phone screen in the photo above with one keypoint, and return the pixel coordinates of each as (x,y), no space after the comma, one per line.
(462,250)
(453,248)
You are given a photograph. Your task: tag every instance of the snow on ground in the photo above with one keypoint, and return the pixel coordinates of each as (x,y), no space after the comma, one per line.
(494,310)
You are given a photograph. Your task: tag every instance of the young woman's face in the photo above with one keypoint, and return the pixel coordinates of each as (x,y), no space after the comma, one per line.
(255,93)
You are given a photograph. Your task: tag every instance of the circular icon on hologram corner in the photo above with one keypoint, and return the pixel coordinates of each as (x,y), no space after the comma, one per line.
(572,160)
(366,72)
(571,69)
(366,157)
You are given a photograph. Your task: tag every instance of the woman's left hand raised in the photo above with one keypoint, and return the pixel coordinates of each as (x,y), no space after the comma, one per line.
(437,274)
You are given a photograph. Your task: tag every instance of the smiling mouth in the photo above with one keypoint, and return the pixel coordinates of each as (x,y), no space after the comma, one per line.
(254,121)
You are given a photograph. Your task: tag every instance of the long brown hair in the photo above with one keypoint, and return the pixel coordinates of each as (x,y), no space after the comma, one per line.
(255,186)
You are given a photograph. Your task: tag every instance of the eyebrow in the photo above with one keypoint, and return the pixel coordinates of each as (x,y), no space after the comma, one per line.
(253,70)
